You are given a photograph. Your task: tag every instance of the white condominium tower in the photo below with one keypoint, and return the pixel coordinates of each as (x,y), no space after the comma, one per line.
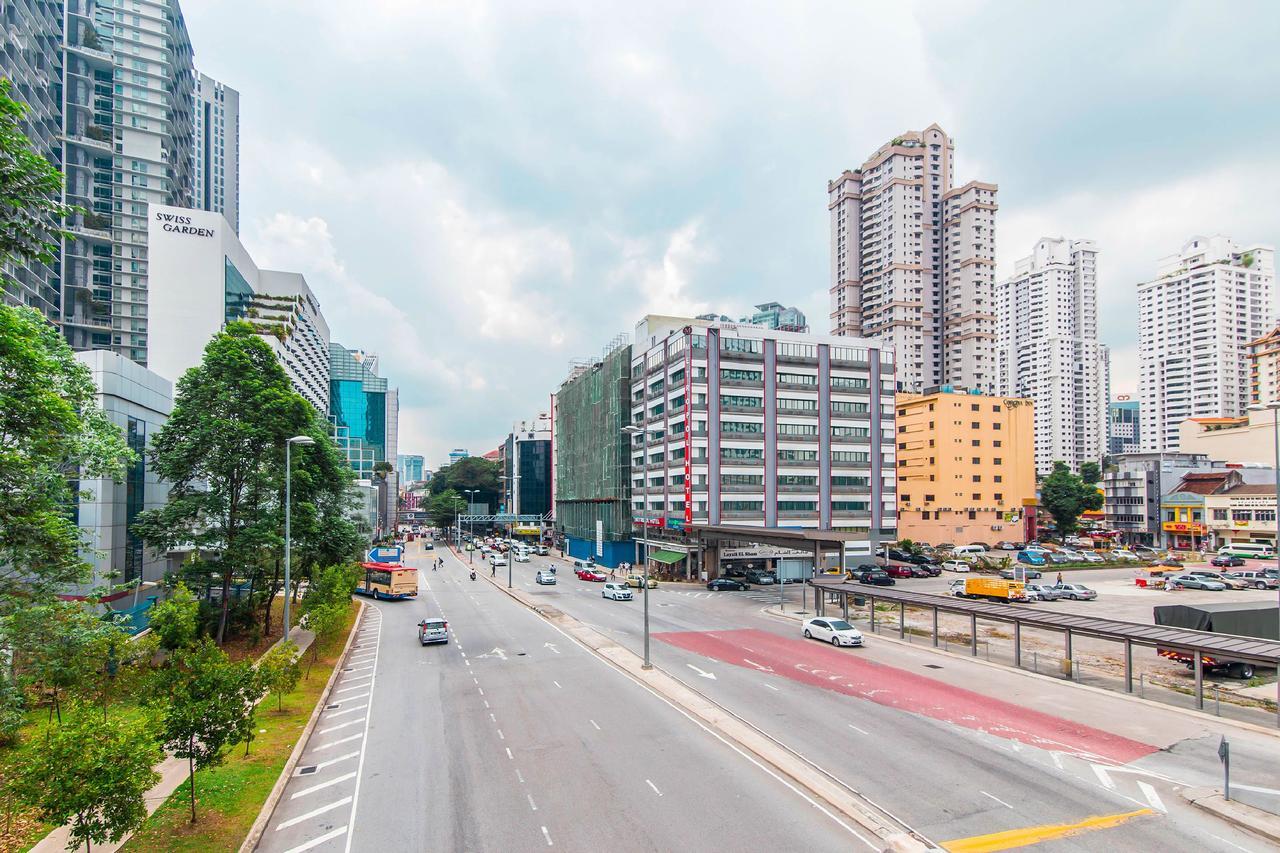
(217,149)
(1195,319)
(913,262)
(1047,349)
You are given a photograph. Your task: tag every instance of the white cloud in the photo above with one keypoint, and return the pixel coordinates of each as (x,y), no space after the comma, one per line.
(659,273)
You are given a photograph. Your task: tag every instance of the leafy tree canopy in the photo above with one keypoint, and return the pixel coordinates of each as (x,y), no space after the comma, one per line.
(1090,473)
(1065,496)
(474,472)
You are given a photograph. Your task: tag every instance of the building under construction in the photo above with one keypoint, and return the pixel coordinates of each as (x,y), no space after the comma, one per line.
(593,462)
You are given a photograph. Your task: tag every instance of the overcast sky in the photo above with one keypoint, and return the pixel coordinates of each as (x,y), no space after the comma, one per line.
(482,191)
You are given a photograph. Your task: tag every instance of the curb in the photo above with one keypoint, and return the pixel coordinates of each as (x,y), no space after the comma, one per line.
(785,763)
(1237,814)
(1128,697)
(277,791)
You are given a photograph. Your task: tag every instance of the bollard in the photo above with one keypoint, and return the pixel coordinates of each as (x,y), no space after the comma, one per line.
(1217,700)
(1142,677)
(1035,661)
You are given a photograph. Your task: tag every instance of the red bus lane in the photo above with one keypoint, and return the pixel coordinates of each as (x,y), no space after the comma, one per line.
(830,669)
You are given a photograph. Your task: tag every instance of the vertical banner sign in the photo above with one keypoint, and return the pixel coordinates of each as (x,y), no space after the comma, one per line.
(688,426)
(599,537)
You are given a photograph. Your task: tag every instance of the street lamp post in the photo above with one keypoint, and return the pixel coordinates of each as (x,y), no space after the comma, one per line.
(632,429)
(288,511)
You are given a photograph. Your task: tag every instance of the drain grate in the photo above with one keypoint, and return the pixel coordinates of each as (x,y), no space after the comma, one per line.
(520,654)
(932,666)
(307,771)
(331,707)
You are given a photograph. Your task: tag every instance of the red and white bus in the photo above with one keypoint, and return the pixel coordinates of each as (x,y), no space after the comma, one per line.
(388,580)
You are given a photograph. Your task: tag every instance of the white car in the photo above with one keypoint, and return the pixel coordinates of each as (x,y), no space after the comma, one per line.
(955,566)
(1091,556)
(1072,556)
(497,560)
(545,578)
(616,591)
(521,557)
(837,632)
(1121,554)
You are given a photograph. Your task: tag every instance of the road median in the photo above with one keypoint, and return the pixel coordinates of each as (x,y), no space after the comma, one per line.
(784,763)
(1237,814)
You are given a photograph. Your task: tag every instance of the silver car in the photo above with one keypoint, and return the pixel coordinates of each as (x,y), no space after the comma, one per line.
(1076,591)
(1041,592)
(544,577)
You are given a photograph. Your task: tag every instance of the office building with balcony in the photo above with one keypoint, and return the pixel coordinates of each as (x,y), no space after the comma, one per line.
(966,467)
(1135,487)
(1196,319)
(217,149)
(749,426)
(1047,350)
(202,277)
(913,262)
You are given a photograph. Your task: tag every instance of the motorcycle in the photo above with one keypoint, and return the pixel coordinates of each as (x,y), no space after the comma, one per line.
(473,574)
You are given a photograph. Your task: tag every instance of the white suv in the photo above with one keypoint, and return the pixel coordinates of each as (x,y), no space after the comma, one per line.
(616,591)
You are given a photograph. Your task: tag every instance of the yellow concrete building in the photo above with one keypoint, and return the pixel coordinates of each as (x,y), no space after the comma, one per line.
(966,466)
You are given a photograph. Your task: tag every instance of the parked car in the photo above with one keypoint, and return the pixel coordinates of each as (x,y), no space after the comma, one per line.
(1123,554)
(927,570)
(1222,578)
(1044,592)
(875,577)
(545,577)
(1226,561)
(1059,557)
(542,550)
(637,581)
(955,566)
(1256,579)
(1091,557)
(1008,546)
(837,632)
(899,571)
(616,591)
(1194,582)
(1076,591)
(1031,558)
(498,561)
(1070,555)
(760,576)
(900,556)
(918,559)
(1021,573)
(1167,562)
(726,584)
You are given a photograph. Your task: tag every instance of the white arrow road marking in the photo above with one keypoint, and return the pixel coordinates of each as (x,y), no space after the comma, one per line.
(1152,797)
(758,666)
(496,653)
(1103,777)
(701,672)
(551,646)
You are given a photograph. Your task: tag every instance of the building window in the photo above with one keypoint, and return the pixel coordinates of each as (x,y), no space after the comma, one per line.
(997,461)
(730,374)
(797,506)
(975,425)
(976,496)
(999,496)
(849,506)
(977,460)
(1241,515)
(998,478)
(742,453)
(977,442)
(973,407)
(995,425)
(997,443)
(977,478)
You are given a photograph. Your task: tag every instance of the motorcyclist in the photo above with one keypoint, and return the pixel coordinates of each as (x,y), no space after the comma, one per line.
(473,574)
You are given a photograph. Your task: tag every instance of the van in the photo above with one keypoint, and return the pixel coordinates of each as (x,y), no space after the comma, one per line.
(1247,549)
(969,550)
(1255,579)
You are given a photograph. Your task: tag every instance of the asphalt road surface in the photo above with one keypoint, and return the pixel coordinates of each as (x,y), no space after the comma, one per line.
(511,738)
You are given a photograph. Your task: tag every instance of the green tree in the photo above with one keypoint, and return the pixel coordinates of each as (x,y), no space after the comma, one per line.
(207,705)
(444,508)
(1064,496)
(50,429)
(92,775)
(222,451)
(13,707)
(326,621)
(474,472)
(57,648)
(1090,473)
(278,671)
(30,186)
(175,620)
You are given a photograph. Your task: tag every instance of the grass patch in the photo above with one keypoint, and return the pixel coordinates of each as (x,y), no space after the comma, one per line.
(229,797)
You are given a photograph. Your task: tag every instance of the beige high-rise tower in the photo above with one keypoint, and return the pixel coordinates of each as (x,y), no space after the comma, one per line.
(913,262)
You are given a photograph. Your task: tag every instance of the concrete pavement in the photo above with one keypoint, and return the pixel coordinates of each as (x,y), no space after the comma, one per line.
(512,737)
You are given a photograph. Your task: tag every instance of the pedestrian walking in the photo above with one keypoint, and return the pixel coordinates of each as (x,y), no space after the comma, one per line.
(1059,578)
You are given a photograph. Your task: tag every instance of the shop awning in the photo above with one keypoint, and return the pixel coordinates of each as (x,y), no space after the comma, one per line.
(667,557)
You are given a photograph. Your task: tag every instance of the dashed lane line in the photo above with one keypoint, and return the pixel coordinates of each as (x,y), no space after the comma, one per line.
(321,786)
(343,725)
(653,786)
(316,842)
(335,743)
(997,799)
(294,821)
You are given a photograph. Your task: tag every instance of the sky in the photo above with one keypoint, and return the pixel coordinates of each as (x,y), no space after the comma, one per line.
(482,192)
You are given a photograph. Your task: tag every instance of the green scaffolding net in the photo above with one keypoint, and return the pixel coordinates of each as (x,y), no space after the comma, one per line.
(593,462)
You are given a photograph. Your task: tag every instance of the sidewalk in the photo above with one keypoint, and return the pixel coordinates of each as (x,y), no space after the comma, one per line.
(173,772)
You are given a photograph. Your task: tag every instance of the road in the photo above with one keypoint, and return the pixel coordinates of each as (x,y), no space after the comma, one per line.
(511,738)
(918,736)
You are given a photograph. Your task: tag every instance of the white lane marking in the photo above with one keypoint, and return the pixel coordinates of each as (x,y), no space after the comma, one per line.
(856,729)
(1103,777)
(342,726)
(547,836)
(293,821)
(323,764)
(597,725)
(1229,843)
(467,662)
(518,776)
(355,794)
(350,710)
(501,736)
(361,668)
(492,718)
(556,683)
(532,805)
(1256,789)
(771,687)
(481,689)
(653,786)
(349,689)
(1152,797)
(316,842)
(344,777)
(476,680)
(336,742)
(997,799)
(509,755)
(357,696)
(358,678)
(486,703)
(1057,759)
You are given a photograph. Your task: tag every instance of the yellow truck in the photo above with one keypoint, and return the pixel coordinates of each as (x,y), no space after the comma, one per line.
(992,589)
